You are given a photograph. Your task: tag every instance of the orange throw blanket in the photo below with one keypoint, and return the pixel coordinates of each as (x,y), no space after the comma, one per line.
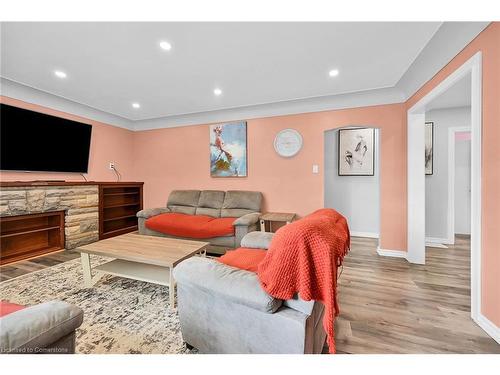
(303,258)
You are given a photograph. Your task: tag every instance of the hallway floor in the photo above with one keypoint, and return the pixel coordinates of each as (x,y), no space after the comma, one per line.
(391,306)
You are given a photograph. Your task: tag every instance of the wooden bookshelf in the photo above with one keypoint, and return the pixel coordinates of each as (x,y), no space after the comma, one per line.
(25,236)
(118,206)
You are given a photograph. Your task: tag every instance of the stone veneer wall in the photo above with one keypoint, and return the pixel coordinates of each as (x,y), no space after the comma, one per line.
(81,204)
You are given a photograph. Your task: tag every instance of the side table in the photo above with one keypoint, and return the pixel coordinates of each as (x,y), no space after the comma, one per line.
(275,217)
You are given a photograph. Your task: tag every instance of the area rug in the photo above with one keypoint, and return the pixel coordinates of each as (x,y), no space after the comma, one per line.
(120,315)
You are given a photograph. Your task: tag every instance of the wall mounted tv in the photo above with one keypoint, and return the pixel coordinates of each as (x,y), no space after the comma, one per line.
(33,141)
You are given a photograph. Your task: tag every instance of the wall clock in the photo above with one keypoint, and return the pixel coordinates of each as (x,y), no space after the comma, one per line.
(288,143)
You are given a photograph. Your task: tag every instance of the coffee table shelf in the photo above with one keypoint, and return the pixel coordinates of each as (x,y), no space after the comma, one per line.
(137,271)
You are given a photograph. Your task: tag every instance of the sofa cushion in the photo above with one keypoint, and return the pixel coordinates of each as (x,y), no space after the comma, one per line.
(238,203)
(211,199)
(8,308)
(193,226)
(210,203)
(243,258)
(257,240)
(184,198)
(187,210)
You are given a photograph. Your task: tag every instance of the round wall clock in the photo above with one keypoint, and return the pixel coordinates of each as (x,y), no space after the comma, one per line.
(288,143)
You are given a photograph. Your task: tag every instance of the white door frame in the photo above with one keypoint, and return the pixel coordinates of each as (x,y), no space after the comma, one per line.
(451,180)
(416,173)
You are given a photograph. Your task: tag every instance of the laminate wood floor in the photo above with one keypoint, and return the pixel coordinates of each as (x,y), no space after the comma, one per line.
(387,304)
(391,306)
(12,270)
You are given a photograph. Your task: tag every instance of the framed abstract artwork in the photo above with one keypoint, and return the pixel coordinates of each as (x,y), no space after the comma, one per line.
(228,150)
(429,148)
(356,155)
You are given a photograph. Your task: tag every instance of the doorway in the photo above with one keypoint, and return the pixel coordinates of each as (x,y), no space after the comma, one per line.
(416,173)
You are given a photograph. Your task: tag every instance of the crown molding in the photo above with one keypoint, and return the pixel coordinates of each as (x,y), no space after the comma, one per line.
(366,98)
(29,94)
(447,42)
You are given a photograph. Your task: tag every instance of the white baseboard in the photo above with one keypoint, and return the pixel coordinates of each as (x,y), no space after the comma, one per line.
(364,234)
(445,241)
(436,244)
(392,253)
(489,327)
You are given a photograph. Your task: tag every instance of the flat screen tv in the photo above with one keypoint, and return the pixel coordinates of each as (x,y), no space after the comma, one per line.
(33,141)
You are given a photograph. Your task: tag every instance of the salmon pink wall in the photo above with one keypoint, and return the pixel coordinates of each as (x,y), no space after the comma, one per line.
(178,158)
(109,143)
(488,42)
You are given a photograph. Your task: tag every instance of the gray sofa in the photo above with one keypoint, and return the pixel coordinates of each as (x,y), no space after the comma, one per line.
(223,309)
(245,205)
(45,328)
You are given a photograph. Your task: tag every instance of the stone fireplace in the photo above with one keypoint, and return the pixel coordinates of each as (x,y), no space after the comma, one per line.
(80,204)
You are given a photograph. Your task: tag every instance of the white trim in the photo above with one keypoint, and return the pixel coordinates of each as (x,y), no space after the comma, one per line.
(380,96)
(364,234)
(435,245)
(392,253)
(416,189)
(476,182)
(365,98)
(439,240)
(489,327)
(451,181)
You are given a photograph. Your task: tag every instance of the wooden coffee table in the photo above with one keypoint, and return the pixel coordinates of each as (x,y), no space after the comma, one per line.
(139,257)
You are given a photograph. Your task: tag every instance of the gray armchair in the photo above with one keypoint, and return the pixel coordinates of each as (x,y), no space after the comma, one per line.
(45,328)
(223,309)
(244,205)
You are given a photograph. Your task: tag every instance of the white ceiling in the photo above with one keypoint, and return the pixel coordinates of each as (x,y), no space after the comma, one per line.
(110,65)
(459,95)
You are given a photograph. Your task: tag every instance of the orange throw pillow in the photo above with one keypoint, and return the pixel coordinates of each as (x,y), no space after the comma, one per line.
(244,258)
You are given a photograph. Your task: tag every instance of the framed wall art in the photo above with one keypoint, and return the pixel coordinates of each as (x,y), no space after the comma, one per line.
(228,149)
(356,152)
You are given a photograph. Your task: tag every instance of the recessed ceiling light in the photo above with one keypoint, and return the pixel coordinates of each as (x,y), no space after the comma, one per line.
(333,73)
(166,46)
(217,91)
(60,74)
(136,105)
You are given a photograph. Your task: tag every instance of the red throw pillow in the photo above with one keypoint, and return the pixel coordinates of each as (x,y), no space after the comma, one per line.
(8,308)
(244,258)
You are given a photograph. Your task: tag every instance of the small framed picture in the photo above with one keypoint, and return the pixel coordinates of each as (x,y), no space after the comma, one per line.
(429,148)
(356,156)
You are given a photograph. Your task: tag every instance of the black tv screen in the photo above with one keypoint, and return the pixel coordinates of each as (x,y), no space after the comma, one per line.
(33,141)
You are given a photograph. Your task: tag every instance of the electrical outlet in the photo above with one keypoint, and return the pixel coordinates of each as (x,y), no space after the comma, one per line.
(111,165)
(315,168)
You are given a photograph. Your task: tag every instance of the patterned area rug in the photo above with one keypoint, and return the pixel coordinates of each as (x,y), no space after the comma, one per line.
(120,315)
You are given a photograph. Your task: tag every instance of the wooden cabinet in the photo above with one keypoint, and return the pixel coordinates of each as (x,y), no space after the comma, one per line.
(25,236)
(31,233)
(118,206)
